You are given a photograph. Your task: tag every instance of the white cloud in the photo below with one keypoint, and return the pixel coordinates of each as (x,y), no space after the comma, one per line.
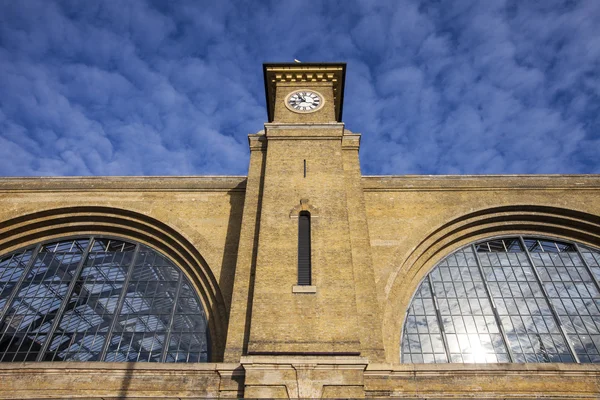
(117,88)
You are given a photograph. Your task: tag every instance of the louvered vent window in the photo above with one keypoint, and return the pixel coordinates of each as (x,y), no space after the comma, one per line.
(304,267)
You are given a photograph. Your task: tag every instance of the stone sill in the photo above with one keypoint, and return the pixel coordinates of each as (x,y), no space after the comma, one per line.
(436,369)
(85,366)
(304,289)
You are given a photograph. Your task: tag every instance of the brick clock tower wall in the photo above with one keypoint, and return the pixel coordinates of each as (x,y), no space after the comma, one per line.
(283,114)
(305,170)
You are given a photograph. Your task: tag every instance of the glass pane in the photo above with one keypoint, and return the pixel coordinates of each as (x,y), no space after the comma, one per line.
(115,305)
(528,299)
(468,320)
(159,305)
(423,341)
(573,292)
(90,310)
(12,269)
(518,304)
(27,320)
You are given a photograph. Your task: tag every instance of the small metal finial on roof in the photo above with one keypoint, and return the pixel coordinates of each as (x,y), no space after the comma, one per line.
(297,61)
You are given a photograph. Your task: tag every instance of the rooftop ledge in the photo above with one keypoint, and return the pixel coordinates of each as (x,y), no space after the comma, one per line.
(385,183)
(125,183)
(370,183)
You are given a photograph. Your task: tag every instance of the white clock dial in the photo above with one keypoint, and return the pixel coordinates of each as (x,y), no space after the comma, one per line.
(304,101)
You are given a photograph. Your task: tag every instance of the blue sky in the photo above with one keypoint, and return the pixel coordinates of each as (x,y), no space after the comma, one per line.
(141,87)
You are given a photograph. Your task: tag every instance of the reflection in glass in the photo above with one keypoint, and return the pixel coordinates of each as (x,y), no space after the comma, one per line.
(98,299)
(509,300)
(424,342)
(465,310)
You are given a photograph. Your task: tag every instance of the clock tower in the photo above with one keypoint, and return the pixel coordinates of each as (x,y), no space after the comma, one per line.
(304,93)
(305,265)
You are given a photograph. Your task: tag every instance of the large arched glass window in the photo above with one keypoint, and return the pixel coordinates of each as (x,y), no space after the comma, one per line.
(98,299)
(515,299)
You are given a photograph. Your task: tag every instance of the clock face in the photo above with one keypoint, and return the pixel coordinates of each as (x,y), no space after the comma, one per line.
(304,101)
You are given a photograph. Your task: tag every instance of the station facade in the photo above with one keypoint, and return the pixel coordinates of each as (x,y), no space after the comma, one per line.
(303,279)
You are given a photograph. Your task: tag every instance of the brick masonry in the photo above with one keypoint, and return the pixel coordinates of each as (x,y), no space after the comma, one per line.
(373,240)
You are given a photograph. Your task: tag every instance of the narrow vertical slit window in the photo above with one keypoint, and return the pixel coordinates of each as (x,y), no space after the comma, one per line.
(304,263)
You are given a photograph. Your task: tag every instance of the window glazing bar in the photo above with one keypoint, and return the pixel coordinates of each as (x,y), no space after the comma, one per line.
(550,305)
(587,267)
(30,307)
(19,282)
(120,303)
(72,305)
(165,350)
(438,315)
(493,304)
(63,305)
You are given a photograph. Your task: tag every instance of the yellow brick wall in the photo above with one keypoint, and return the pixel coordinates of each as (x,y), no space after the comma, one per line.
(415,221)
(203,214)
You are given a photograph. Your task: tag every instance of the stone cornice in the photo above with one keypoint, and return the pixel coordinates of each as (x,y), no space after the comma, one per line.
(382,183)
(257,141)
(125,184)
(305,131)
(407,183)
(351,141)
(309,125)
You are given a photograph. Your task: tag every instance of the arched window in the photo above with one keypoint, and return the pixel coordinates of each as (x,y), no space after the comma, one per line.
(515,299)
(98,299)
(304,265)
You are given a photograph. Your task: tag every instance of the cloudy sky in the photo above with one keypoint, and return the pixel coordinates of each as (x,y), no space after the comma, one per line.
(142,87)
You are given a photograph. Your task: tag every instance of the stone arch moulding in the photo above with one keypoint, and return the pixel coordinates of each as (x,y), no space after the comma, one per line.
(304,205)
(52,224)
(553,222)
